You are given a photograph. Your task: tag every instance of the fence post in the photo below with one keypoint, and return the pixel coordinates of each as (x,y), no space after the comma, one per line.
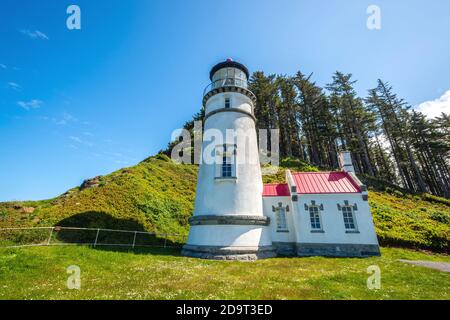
(50,237)
(96,237)
(165,240)
(134,239)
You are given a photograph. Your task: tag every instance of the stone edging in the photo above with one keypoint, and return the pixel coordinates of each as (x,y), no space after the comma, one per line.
(337,250)
(229,253)
(237,220)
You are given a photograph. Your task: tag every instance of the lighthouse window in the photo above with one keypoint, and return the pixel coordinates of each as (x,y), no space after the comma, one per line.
(226,162)
(227,102)
(280,216)
(226,167)
(230,73)
(315,218)
(349,219)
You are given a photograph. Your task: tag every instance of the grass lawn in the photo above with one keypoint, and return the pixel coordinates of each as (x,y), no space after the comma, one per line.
(40,273)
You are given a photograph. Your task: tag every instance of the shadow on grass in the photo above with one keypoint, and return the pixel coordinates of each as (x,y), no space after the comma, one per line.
(115,236)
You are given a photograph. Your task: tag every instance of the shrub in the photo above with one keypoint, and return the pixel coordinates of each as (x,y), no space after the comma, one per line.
(431,198)
(441,217)
(398,194)
(163,157)
(297,165)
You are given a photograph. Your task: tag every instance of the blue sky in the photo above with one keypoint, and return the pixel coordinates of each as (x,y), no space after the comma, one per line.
(76,104)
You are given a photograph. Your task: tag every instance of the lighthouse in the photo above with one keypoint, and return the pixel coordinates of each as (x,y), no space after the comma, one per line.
(228,222)
(236,217)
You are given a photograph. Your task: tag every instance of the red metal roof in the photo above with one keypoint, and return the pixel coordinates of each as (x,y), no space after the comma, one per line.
(324,182)
(276,190)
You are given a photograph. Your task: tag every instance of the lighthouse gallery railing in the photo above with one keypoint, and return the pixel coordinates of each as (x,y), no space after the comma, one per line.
(226,82)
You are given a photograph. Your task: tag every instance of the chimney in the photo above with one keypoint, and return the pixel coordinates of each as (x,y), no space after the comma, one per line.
(345,161)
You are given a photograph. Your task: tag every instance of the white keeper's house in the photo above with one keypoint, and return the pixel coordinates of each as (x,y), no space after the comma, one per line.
(236,217)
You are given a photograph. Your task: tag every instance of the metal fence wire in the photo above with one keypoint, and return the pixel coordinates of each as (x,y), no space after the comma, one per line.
(64,236)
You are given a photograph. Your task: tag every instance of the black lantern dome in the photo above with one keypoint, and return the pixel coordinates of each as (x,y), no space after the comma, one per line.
(229,63)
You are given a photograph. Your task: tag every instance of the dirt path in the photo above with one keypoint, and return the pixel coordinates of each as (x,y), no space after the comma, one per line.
(441,266)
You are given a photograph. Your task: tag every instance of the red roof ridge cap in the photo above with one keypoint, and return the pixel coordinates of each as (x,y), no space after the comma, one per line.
(355,183)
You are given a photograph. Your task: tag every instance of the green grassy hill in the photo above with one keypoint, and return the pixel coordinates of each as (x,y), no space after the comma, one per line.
(157,195)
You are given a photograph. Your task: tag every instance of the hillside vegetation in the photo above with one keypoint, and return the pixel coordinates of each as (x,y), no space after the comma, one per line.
(157,195)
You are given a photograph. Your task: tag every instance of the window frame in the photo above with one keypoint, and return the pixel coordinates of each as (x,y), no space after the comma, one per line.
(280,216)
(226,168)
(346,210)
(317,218)
(227,102)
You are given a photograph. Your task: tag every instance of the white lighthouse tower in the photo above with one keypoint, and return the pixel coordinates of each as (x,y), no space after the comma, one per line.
(228,221)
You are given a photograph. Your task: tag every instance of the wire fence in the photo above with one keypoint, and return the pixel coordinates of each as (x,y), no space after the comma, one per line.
(66,236)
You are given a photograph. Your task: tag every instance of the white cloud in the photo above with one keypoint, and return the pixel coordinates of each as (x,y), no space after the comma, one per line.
(33,104)
(434,108)
(122,162)
(2,66)
(81,141)
(76,139)
(66,118)
(35,34)
(114,154)
(119,158)
(14,86)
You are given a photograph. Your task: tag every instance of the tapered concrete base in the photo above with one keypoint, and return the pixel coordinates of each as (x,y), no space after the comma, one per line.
(229,253)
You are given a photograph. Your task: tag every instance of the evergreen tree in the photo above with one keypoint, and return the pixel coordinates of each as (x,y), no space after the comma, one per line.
(394,116)
(316,123)
(352,120)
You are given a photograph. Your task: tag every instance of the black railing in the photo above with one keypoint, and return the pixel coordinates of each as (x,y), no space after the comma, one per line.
(227,82)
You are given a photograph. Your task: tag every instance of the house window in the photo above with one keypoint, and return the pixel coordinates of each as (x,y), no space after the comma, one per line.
(349,219)
(227,102)
(315,218)
(280,216)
